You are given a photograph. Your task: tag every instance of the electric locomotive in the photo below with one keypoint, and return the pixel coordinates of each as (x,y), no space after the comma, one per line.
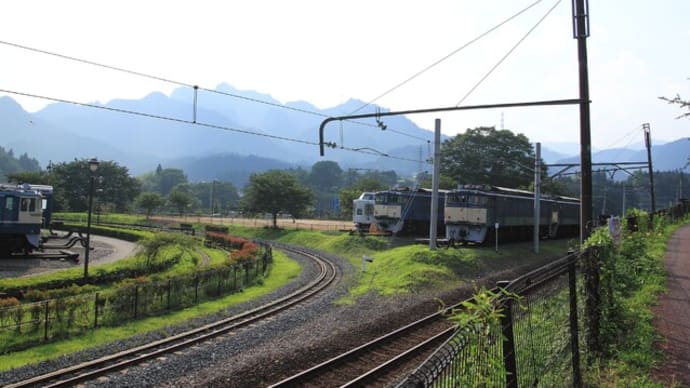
(363,212)
(407,211)
(24,210)
(472,213)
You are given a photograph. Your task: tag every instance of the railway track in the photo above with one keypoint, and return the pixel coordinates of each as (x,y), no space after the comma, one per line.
(105,365)
(382,361)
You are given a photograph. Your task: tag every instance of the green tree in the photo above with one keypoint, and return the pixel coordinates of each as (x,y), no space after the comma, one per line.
(149,202)
(325,176)
(273,192)
(181,198)
(115,188)
(486,156)
(224,194)
(444,182)
(162,180)
(9,164)
(33,177)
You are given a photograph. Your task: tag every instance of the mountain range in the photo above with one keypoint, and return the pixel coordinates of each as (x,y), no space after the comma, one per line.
(228,134)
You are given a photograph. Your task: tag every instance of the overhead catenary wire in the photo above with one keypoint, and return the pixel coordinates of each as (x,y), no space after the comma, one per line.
(512,49)
(196,123)
(185,84)
(447,56)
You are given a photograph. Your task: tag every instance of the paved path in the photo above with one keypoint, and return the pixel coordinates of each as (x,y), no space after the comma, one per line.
(106,250)
(672,314)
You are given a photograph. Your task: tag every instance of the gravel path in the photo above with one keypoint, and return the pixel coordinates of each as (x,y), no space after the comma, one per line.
(672,313)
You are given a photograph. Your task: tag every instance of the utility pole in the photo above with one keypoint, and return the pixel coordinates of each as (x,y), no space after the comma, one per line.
(648,144)
(581,32)
(434,185)
(537,194)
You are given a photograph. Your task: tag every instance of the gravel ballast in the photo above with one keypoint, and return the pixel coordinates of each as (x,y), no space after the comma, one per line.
(273,349)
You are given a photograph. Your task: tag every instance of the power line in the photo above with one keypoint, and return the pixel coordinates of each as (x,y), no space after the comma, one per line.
(508,53)
(368,151)
(480,36)
(184,84)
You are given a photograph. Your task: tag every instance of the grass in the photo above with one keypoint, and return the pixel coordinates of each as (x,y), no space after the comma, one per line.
(400,267)
(283,271)
(635,352)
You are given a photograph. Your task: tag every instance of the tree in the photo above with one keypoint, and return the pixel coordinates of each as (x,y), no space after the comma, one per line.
(486,156)
(10,165)
(677,100)
(275,191)
(325,176)
(181,198)
(114,186)
(224,194)
(149,202)
(444,182)
(162,180)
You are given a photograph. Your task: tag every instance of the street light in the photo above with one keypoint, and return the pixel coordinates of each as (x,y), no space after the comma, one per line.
(93,166)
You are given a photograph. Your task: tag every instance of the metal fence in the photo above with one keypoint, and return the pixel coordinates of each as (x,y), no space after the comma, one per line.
(536,344)
(28,324)
(540,340)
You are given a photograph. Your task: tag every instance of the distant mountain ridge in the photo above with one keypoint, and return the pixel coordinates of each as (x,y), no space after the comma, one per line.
(238,132)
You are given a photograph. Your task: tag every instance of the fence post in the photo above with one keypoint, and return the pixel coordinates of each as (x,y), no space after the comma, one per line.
(136,300)
(220,282)
(590,267)
(95,311)
(196,288)
(168,303)
(574,336)
(45,330)
(508,340)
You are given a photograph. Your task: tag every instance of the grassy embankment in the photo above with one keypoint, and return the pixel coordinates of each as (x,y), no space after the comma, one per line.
(282,272)
(398,267)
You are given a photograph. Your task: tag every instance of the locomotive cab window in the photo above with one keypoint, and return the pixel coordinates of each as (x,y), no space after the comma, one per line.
(25,204)
(9,203)
(359,212)
(381,198)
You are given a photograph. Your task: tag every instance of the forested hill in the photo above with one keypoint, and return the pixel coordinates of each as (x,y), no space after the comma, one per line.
(9,164)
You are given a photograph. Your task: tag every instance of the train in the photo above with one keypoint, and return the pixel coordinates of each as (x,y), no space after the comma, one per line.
(472,213)
(24,210)
(363,212)
(405,211)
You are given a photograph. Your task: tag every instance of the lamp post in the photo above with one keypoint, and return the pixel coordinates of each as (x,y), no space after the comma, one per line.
(93,166)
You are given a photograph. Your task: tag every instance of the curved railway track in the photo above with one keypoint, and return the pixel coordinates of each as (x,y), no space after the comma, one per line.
(382,361)
(92,369)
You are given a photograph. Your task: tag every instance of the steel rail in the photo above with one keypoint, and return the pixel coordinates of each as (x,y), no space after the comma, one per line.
(310,374)
(107,364)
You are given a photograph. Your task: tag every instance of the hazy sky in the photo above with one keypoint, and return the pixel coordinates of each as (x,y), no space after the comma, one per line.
(326,52)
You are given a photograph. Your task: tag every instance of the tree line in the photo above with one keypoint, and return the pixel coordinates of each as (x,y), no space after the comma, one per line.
(482,155)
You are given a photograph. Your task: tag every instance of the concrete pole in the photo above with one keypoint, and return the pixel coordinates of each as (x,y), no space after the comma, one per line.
(434,185)
(537,194)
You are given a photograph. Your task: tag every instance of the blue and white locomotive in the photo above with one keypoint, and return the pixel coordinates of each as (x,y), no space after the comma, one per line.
(472,212)
(406,211)
(24,210)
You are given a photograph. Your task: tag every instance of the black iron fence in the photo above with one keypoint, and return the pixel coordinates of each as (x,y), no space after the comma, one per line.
(28,324)
(536,342)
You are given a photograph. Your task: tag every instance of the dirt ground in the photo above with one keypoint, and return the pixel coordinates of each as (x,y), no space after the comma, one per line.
(672,314)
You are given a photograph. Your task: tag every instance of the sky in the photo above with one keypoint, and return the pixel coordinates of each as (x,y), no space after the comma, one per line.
(326,52)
